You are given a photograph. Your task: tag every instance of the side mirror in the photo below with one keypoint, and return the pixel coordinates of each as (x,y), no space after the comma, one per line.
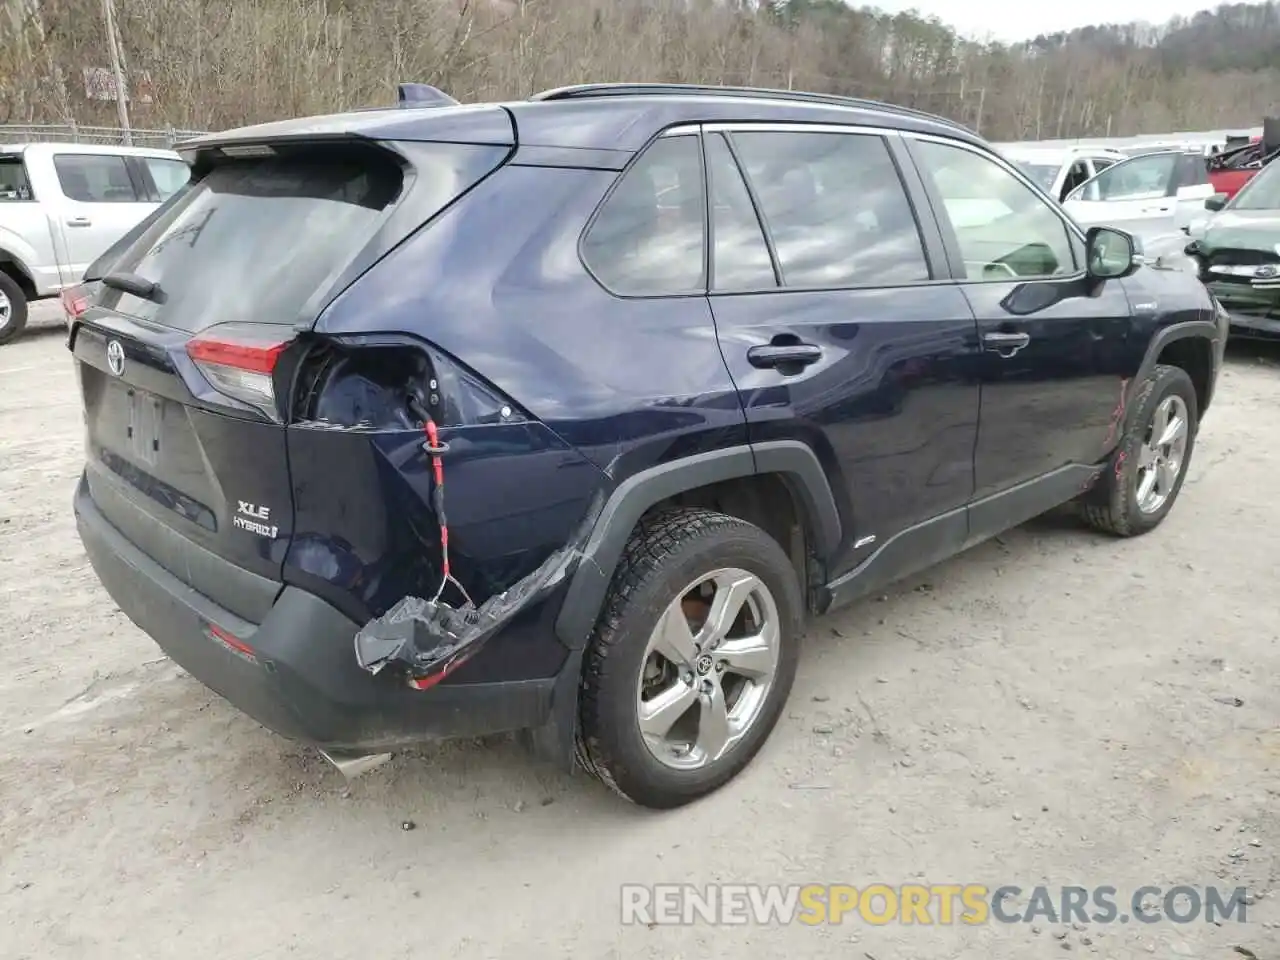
(1216,202)
(1111,253)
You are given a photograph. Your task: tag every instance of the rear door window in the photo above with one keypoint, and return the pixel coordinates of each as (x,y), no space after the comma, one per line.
(95,178)
(14,184)
(835,208)
(649,236)
(255,240)
(1077,175)
(740,256)
(169,175)
(1192,171)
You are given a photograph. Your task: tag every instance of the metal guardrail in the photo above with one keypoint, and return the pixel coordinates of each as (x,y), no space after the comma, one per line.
(75,133)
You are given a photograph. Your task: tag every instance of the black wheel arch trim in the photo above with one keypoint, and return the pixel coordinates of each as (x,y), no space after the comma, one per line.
(794,460)
(1203,329)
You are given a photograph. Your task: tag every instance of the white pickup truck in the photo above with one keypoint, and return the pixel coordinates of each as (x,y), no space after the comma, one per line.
(64,204)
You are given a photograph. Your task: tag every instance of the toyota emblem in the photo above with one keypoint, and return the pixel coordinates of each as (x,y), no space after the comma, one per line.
(115,358)
(1266,272)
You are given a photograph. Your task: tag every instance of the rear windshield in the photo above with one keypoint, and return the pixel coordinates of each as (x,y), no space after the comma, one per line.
(256,239)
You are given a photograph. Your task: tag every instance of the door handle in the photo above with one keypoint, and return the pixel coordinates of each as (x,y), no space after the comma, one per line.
(1156,209)
(783,355)
(79,222)
(1006,344)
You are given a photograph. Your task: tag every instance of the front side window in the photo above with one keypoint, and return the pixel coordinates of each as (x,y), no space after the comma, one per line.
(649,237)
(835,207)
(1142,178)
(1005,230)
(95,178)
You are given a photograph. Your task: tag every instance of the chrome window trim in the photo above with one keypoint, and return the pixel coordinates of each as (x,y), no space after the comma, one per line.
(795,126)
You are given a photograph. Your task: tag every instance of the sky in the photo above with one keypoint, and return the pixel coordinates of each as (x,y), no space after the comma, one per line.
(1024,19)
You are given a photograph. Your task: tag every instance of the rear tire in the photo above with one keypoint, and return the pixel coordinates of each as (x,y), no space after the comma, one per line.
(1144,476)
(663,650)
(13,309)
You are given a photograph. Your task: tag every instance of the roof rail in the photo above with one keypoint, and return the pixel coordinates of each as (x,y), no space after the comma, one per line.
(588,90)
(423,95)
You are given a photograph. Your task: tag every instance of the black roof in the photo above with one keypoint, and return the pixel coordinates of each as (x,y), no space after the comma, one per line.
(594,116)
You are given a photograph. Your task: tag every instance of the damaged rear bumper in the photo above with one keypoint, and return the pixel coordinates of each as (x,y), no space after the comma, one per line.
(295,672)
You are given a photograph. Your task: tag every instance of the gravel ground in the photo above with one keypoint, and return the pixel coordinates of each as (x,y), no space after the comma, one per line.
(1047,708)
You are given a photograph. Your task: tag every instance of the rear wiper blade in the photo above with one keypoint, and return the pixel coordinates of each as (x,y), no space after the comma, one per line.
(136,285)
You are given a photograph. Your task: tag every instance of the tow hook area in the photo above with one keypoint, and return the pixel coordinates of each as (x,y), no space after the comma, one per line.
(352,765)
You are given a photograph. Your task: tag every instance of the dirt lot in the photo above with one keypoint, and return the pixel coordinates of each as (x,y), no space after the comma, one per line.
(1045,709)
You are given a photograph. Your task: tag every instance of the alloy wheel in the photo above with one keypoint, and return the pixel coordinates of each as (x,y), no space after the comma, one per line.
(1163,453)
(708,668)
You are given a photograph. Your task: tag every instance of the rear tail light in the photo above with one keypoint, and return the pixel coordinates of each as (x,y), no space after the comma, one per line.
(239,361)
(75,300)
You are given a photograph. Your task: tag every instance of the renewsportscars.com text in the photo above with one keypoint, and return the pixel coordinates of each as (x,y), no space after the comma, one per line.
(970,904)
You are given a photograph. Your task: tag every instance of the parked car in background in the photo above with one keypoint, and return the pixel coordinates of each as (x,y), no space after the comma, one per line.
(1058,171)
(1152,196)
(62,205)
(1238,255)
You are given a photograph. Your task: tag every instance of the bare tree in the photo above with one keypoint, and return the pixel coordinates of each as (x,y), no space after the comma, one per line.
(208,64)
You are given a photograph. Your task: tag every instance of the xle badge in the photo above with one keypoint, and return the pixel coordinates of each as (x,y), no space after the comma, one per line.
(254,519)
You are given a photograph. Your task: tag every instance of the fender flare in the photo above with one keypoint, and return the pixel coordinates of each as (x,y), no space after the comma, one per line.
(603,549)
(1204,329)
(8,256)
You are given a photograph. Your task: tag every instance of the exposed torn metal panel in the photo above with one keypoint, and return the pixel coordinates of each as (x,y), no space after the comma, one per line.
(427,639)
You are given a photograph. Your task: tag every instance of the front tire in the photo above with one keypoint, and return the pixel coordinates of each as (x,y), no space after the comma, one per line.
(691,660)
(13,309)
(1145,474)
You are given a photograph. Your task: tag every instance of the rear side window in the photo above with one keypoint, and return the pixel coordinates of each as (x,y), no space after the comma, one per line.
(836,209)
(255,240)
(14,184)
(740,256)
(95,178)
(649,237)
(169,175)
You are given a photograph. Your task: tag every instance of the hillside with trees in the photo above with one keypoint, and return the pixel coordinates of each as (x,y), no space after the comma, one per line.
(208,64)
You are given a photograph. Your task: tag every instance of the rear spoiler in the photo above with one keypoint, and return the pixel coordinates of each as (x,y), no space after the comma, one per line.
(479,123)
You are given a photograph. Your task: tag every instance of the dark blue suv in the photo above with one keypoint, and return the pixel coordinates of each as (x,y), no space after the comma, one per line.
(562,416)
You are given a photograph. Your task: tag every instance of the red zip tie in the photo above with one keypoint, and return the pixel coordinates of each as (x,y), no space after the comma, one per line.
(435,449)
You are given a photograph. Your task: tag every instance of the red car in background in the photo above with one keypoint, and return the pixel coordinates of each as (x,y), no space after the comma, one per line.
(1235,166)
